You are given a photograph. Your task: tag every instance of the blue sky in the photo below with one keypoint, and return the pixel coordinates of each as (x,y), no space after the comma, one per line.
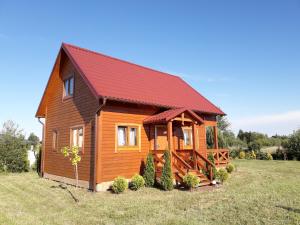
(242,55)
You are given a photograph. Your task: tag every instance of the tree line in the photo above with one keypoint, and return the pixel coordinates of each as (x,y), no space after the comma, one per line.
(287,146)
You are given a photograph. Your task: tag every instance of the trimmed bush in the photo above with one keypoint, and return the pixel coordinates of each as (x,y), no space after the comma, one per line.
(269,156)
(234,153)
(137,182)
(230,168)
(149,173)
(250,155)
(261,155)
(166,179)
(119,185)
(222,175)
(242,155)
(191,180)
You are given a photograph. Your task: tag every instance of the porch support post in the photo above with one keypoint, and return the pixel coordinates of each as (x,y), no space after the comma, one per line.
(216,143)
(194,144)
(216,137)
(170,139)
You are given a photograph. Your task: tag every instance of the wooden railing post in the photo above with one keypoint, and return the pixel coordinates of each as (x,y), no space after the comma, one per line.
(194,144)
(216,143)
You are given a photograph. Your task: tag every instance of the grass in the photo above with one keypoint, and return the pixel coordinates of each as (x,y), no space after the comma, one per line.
(259,192)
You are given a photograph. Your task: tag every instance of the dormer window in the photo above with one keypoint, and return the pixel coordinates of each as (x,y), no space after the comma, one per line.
(69,87)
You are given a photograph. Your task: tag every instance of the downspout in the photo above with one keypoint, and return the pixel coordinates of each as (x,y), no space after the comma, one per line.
(96,162)
(43,148)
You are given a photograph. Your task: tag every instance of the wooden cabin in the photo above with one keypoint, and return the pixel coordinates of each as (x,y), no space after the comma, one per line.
(117,112)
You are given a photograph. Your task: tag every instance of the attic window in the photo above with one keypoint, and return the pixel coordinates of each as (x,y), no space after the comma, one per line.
(69,87)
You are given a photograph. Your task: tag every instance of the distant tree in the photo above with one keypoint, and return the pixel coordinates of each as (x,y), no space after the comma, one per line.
(33,140)
(13,148)
(293,146)
(254,146)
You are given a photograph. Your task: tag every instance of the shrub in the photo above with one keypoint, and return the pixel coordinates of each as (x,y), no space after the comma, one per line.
(242,155)
(230,168)
(119,185)
(222,175)
(137,181)
(261,155)
(166,179)
(191,180)
(269,156)
(149,173)
(13,148)
(37,164)
(254,146)
(234,153)
(250,155)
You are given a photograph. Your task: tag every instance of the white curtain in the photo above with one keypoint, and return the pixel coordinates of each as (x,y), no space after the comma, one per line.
(132,137)
(75,137)
(71,86)
(121,136)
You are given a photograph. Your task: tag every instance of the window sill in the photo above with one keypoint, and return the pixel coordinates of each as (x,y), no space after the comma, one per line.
(128,148)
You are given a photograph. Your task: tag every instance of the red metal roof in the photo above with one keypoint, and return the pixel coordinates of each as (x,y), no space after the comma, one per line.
(167,115)
(120,80)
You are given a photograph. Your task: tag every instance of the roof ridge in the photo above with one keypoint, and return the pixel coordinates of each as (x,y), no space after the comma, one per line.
(117,59)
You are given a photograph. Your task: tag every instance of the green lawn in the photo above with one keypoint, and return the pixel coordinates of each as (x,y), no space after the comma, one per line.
(259,192)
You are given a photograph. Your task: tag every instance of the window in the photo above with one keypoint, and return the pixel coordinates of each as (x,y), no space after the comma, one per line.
(187,137)
(69,87)
(127,136)
(77,137)
(54,140)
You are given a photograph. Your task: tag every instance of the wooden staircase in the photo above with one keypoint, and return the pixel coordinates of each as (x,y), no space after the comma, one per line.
(180,167)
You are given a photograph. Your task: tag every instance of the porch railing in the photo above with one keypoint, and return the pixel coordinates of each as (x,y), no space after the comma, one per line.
(221,156)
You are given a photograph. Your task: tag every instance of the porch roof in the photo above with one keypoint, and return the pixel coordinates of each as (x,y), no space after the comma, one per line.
(170,114)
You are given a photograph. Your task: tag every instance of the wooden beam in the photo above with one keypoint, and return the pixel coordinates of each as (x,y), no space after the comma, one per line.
(194,145)
(216,143)
(180,119)
(170,140)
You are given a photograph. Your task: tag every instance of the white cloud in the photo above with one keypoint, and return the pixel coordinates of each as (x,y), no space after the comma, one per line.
(282,123)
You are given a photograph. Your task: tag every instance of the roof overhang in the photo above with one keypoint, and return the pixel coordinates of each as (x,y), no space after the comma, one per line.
(171,114)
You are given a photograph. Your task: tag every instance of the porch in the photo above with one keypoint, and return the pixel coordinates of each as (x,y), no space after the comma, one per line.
(183,133)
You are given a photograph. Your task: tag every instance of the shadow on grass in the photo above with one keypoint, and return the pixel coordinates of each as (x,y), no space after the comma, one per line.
(64,187)
(289,208)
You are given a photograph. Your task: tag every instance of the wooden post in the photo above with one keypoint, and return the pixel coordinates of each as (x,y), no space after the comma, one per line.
(194,144)
(216,143)
(170,140)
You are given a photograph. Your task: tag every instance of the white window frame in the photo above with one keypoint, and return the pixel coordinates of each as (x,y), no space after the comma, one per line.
(66,92)
(72,129)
